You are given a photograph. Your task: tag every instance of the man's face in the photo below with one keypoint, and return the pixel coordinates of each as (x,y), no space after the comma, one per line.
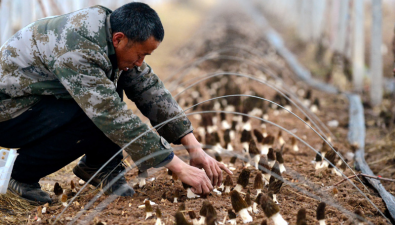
(130,54)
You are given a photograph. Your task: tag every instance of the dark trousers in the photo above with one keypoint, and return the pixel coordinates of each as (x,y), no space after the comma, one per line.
(52,134)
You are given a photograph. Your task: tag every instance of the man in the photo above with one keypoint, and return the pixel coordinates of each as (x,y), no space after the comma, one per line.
(61,85)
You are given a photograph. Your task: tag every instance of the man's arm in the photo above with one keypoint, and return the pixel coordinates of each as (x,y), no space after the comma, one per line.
(82,74)
(148,92)
(144,87)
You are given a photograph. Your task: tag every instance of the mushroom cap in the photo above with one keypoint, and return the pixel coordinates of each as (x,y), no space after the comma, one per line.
(258,182)
(343,166)
(57,189)
(258,135)
(269,139)
(211,210)
(245,136)
(218,157)
(276,169)
(293,140)
(207,120)
(163,195)
(318,157)
(280,134)
(207,209)
(308,94)
(192,215)
(180,219)
(222,115)
(244,177)
(228,181)
(263,164)
(331,156)
(234,124)
(245,118)
(258,198)
(271,155)
(198,137)
(268,206)
(158,212)
(238,202)
(316,102)
(227,136)
(210,139)
(72,185)
(321,211)
(248,198)
(64,198)
(301,217)
(279,157)
(253,149)
(148,207)
(231,214)
(275,185)
(203,210)
(216,137)
(233,159)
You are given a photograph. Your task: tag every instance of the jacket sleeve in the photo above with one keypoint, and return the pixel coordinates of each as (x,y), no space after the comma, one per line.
(82,73)
(143,86)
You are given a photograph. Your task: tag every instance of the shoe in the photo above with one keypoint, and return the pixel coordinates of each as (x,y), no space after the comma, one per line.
(105,176)
(30,192)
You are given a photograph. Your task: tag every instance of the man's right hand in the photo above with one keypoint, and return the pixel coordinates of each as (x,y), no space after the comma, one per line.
(190,175)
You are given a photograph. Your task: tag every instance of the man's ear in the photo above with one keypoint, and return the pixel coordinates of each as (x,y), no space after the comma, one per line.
(117,38)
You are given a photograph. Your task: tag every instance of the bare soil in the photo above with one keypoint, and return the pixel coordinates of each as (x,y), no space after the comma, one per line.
(124,210)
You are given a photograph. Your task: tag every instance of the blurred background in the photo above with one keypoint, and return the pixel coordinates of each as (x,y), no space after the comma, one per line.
(352,37)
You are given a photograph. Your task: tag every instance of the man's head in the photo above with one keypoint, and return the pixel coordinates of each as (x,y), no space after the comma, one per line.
(136,32)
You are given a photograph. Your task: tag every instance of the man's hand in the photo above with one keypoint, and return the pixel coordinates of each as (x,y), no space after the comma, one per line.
(200,159)
(190,175)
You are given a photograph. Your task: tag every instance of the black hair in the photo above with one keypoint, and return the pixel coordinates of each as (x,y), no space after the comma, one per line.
(137,21)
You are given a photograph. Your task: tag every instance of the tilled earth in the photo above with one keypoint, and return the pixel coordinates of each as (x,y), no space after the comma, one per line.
(237,36)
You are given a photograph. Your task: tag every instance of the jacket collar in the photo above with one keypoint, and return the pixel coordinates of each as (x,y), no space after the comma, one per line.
(111,49)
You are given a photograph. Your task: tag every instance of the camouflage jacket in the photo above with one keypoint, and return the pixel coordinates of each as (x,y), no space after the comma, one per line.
(72,56)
